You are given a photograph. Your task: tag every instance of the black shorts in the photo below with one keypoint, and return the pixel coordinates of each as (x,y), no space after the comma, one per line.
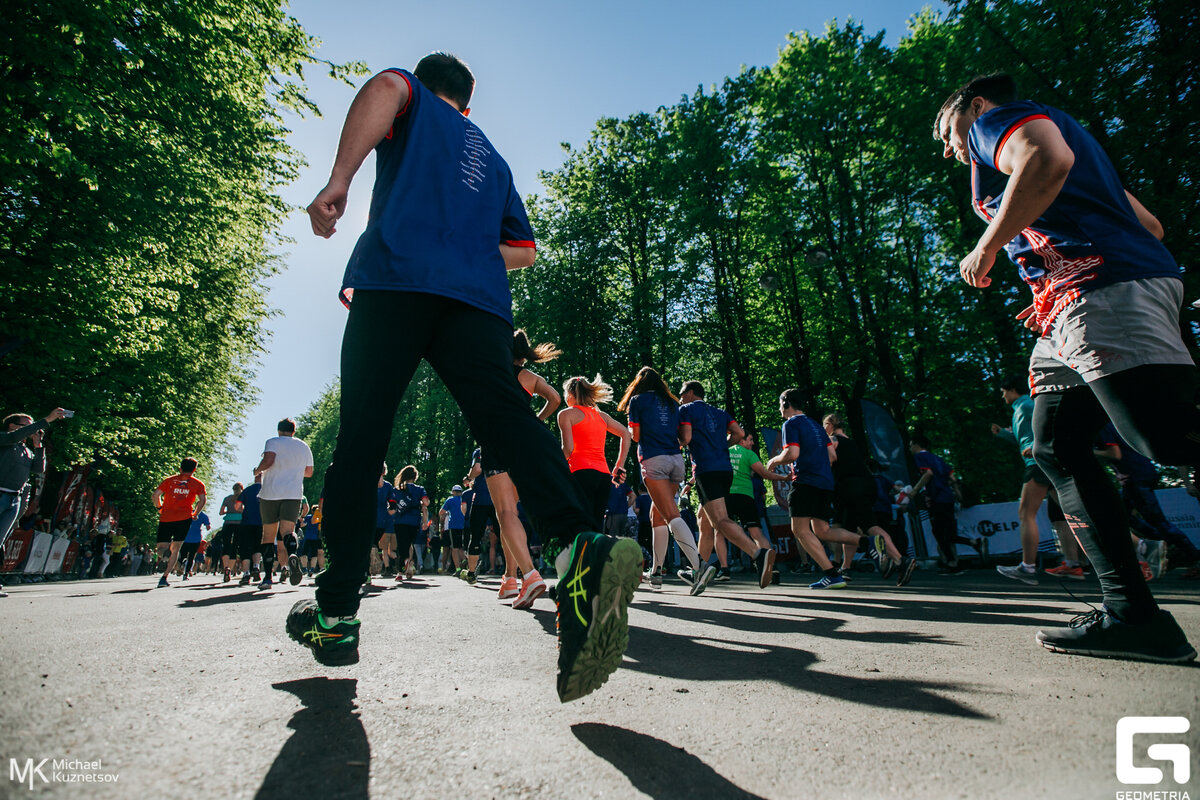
(489,466)
(249,540)
(228,536)
(173,531)
(405,536)
(714,485)
(311,546)
(810,501)
(456,538)
(188,550)
(853,504)
(1035,473)
(743,510)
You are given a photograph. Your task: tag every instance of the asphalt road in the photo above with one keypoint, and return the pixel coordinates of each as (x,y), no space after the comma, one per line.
(936,690)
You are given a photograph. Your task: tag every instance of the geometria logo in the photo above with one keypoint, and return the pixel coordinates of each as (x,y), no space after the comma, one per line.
(1177,754)
(58,770)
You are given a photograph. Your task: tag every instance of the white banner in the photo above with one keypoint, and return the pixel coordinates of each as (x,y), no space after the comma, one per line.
(1182,510)
(57,551)
(39,551)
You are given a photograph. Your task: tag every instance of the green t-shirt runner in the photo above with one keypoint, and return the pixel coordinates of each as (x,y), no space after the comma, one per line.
(742,460)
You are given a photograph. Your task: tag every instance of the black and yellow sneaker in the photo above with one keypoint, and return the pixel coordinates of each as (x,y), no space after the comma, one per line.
(593,611)
(335,646)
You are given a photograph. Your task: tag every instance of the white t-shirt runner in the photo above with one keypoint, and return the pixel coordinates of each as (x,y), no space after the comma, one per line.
(285,479)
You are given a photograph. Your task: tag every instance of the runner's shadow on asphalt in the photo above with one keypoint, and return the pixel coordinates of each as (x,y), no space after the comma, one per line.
(656,768)
(135,591)
(978,612)
(328,756)
(689,659)
(242,597)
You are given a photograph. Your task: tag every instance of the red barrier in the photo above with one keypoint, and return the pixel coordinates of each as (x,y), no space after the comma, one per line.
(68,565)
(16,550)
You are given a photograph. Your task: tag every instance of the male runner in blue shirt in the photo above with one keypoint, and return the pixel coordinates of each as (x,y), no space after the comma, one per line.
(445,224)
(1106,298)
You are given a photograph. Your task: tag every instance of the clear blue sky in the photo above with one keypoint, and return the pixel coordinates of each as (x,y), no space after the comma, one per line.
(545,72)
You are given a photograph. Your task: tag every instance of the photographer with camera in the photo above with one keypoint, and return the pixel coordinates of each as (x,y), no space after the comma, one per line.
(21,453)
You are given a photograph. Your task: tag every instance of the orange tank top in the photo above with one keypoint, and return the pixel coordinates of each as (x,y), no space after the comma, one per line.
(589,441)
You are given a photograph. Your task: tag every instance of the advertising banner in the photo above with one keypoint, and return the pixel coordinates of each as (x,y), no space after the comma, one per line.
(58,549)
(39,551)
(69,559)
(16,549)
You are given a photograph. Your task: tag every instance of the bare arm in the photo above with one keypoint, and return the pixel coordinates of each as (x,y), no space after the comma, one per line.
(156,498)
(542,390)
(517,257)
(201,500)
(734,434)
(308,472)
(758,469)
(685,434)
(268,461)
(786,456)
(617,429)
(566,422)
(369,119)
(1148,220)
(1038,160)
(926,476)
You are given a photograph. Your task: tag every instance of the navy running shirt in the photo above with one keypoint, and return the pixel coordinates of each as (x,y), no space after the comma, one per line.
(249,500)
(408,499)
(618,499)
(311,531)
(1089,237)
(811,466)
(443,203)
(657,420)
(710,443)
(938,487)
(383,496)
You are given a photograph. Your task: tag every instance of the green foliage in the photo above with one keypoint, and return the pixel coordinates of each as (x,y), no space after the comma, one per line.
(141,154)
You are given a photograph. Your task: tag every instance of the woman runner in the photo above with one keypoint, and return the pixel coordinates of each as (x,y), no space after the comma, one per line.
(583,428)
(412,504)
(654,419)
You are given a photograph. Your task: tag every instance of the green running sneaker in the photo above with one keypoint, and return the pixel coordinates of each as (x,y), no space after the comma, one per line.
(593,611)
(335,646)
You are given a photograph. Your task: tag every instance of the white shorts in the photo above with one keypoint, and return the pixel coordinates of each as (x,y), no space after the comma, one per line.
(1109,330)
(664,468)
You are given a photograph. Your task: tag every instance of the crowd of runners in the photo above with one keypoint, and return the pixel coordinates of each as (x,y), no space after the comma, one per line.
(1109,377)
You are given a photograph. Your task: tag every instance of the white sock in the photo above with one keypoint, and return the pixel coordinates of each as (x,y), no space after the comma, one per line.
(686,541)
(1029,567)
(563,562)
(531,572)
(660,534)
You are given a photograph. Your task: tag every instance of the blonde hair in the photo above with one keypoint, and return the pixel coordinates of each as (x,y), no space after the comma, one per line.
(588,393)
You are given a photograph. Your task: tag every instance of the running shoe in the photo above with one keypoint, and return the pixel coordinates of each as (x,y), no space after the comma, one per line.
(186,575)
(245,581)
(332,645)
(1099,633)
(1019,573)
(294,573)
(845,575)
(723,575)
(764,565)
(162,582)
(228,576)
(265,585)
(470,578)
(399,577)
(889,566)
(954,570)
(593,611)
(408,572)
(1075,573)
(907,567)
(255,575)
(656,579)
(508,588)
(827,582)
(283,574)
(532,588)
(704,580)
(880,552)
(687,575)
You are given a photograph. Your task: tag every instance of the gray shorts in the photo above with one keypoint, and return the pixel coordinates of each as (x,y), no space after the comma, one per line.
(1110,330)
(664,468)
(273,511)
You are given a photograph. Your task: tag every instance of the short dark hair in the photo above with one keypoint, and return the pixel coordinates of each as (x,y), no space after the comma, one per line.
(921,441)
(695,387)
(792,398)
(1015,383)
(999,88)
(286,425)
(188,465)
(447,75)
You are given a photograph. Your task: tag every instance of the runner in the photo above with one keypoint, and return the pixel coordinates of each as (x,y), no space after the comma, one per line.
(654,420)
(583,428)
(708,433)
(621,498)
(250,531)
(742,503)
(286,462)
(438,242)
(939,498)
(1035,487)
(412,508)
(178,499)
(312,557)
(191,543)
(454,522)
(385,522)
(230,527)
(1106,298)
(17,462)
(810,451)
(854,495)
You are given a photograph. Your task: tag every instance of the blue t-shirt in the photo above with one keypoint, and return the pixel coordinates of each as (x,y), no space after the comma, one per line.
(384,495)
(811,466)
(408,501)
(618,500)
(642,504)
(883,495)
(1089,237)
(311,531)
(657,420)
(939,484)
(1133,466)
(443,203)
(710,444)
(195,534)
(249,501)
(453,506)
